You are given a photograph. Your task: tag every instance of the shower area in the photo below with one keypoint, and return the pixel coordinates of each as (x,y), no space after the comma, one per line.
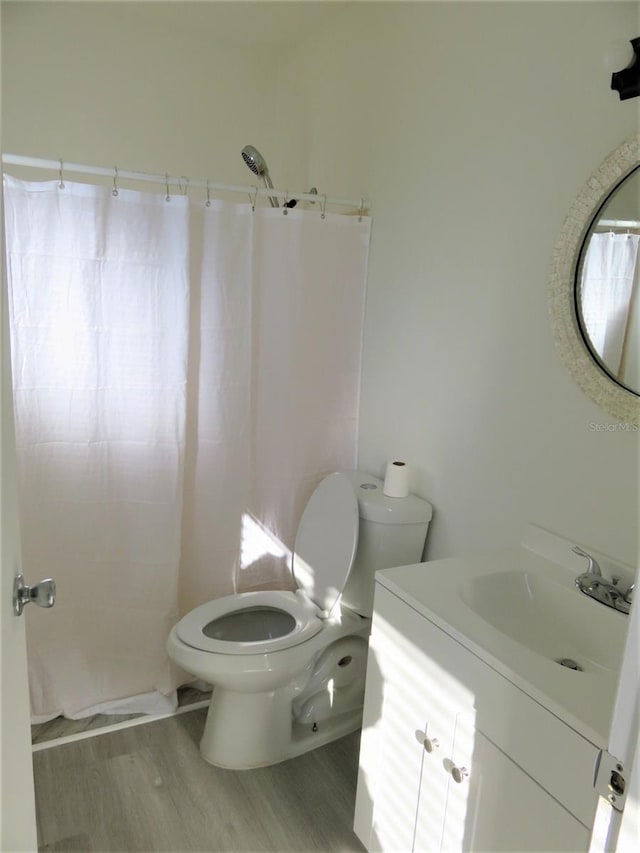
(186,364)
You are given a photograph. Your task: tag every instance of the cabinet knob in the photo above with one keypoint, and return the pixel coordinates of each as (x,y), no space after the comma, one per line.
(459,773)
(430,743)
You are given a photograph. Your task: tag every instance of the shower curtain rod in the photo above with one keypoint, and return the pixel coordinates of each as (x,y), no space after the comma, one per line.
(183,183)
(618,223)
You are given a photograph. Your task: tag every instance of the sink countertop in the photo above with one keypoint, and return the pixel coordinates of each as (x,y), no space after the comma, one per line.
(583,700)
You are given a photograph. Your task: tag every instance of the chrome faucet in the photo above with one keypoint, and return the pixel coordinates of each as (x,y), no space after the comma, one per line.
(593,568)
(595,586)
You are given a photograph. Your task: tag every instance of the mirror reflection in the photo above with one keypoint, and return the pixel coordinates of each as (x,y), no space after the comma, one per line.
(607,300)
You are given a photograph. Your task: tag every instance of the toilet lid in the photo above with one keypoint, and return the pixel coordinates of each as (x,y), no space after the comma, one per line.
(326,541)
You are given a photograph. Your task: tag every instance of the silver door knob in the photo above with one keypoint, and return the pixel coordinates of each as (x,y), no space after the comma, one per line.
(43,594)
(459,773)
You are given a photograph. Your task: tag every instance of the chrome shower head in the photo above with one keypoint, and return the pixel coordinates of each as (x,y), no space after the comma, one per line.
(256,162)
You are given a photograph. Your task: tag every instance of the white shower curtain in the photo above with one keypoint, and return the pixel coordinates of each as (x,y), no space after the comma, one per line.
(276,335)
(607,282)
(307,324)
(184,375)
(99,299)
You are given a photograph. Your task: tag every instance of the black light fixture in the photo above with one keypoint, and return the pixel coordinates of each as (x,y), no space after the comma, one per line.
(627,81)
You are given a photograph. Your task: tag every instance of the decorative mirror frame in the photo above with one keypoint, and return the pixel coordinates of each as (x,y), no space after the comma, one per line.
(597,384)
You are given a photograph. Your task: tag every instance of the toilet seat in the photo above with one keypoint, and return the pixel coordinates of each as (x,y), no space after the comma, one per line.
(303,618)
(259,622)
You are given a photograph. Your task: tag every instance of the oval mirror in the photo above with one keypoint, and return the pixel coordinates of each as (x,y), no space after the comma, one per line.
(593,287)
(606,285)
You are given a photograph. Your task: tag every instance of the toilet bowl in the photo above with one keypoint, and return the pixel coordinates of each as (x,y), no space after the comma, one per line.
(288,668)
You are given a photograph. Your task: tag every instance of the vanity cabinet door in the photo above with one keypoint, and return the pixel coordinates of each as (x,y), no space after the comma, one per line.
(408,728)
(445,780)
(434,783)
(457,766)
(492,804)
(399,711)
(401,714)
(399,782)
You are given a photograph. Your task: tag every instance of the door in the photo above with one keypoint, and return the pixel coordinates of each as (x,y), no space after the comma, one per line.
(17,814)
(434,782)
(614,830)
(492,804)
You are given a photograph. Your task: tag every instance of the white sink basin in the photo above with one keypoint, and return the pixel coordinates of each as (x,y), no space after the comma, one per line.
(548,618)
(519,610)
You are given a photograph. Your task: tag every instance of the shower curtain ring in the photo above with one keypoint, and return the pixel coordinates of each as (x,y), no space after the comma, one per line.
(184,187)
(285,205)
(252,199)
(361,211)
(61,182)
(166,183)
(324,205)
(114,191)
(208,201)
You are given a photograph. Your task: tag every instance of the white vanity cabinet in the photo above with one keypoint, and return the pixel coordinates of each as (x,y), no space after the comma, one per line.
(455,757)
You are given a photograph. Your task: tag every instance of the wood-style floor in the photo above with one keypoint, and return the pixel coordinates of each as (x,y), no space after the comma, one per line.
(147,789)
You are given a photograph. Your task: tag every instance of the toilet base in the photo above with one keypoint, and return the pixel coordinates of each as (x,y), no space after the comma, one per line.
(267,734)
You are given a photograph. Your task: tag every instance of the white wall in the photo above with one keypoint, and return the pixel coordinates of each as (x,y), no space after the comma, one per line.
(470,127)
(178,87)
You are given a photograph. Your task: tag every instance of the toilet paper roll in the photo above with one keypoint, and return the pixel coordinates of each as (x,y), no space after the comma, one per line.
(396,480)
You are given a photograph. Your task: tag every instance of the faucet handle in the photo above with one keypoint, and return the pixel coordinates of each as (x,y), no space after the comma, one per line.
(593,568)
(629,593)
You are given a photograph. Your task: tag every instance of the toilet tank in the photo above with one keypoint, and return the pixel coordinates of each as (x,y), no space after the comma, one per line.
(392,532)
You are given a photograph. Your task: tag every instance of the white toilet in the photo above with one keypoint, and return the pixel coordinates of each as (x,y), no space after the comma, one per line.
(288,668)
